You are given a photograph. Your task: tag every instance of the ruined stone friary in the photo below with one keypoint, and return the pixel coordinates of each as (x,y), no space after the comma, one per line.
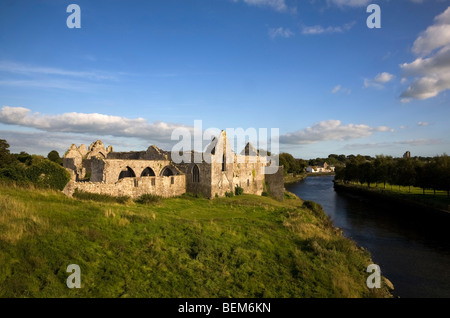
(98,169)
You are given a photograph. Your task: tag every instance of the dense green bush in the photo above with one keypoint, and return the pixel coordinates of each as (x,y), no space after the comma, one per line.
(148,199)
(238,190)
(15,172)
(229,194)
(48,174)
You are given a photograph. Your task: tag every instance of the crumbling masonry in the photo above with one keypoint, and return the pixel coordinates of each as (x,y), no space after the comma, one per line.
(101,170)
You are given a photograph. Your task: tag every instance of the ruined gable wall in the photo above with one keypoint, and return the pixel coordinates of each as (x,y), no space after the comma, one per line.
(204,184)
(248,174)
(275,183)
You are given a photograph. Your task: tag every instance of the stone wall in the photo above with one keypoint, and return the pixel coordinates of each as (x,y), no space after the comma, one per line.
(203,183)
(108,170)
(275,183)
(134,187)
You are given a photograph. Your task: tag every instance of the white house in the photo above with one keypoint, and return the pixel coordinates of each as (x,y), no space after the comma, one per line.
(322,167)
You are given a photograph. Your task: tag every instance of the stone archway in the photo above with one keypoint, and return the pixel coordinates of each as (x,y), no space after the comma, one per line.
(148,172)
(166,172)
(127,173)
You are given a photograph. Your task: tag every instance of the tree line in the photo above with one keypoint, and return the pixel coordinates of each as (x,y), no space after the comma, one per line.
(425,173)
(24,168)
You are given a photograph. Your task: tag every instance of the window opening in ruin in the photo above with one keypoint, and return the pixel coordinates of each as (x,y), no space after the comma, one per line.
(127,173)
(224,165)
(148,172)
(167,172)
(195,174)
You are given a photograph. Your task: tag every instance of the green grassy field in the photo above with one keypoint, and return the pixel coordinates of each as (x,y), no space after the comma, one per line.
(427,197)
(244,246)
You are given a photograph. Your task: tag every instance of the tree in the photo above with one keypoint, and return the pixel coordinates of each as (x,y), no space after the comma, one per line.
(441,166)
(406,172)
(5,155)
(301,165)
(366,173)
(24,158)
(424,176)
(382,167)
(351,172)
(54,156)
(289,162)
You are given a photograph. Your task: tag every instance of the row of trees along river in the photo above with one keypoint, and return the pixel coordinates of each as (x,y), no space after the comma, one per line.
(425,173)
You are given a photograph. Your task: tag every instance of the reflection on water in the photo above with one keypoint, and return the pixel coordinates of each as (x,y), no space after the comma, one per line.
(411,247)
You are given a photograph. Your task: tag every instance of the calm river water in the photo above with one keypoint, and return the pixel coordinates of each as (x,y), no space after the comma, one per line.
(412,248)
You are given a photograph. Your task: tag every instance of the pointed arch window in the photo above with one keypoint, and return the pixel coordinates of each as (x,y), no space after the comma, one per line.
(127,173)
(195,174)
(224,163)
(148,172)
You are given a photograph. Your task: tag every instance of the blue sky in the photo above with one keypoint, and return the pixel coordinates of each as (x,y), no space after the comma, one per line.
(136,70)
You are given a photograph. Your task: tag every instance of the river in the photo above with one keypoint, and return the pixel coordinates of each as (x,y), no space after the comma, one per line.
(412,248)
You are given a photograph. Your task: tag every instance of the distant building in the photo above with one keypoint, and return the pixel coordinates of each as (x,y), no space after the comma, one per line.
(321,167)
(407,155)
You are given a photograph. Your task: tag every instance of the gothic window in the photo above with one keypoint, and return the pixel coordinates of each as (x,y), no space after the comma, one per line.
(224,163)
(148,172)
(195,174)
(166,172)
(127,173)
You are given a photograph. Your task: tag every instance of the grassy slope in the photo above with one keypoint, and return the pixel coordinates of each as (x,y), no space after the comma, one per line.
(245,246)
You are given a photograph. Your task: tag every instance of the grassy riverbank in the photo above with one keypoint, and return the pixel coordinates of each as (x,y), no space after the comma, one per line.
(290,178)
(408,196)
(244,246)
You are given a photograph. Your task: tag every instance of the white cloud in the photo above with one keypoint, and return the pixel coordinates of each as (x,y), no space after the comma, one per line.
(394,144)
(383,77)
(336,89)
(379,80)
(350,3)
(423,123)
(330,130)
(18,68)
(277,5)
(318,29)
(93,123)
(430,72)
(42,142)
(280,32)
(435,36)
(339,88)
